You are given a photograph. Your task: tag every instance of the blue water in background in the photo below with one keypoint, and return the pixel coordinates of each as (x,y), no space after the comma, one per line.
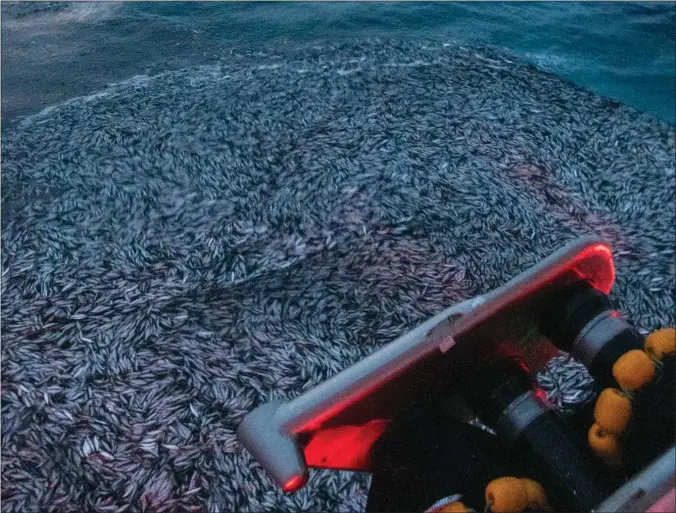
(619,50)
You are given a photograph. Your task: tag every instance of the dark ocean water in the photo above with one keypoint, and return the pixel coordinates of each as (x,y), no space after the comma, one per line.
(624,51)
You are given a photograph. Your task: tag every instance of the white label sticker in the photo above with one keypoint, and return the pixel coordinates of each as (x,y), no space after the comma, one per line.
(477,301)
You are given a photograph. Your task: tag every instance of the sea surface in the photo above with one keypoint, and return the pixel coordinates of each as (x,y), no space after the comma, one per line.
(54,51)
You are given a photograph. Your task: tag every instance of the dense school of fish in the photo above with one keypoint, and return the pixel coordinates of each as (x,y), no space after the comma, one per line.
(180,248)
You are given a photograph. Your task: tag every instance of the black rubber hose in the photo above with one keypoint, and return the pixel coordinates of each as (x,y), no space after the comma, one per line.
(580,320)
(555,457)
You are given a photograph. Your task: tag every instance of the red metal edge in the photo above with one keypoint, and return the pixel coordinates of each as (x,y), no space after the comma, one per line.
(348,447)
(595,264)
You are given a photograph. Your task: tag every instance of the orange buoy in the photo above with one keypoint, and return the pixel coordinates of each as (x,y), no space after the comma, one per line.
(506,495)
(633,369)
(454,507)
(612,411)
(605,445)
(660,343)
(537,497)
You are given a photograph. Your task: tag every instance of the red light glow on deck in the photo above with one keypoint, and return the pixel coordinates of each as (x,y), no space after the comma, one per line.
(541,394)
(294,484)
(344,447)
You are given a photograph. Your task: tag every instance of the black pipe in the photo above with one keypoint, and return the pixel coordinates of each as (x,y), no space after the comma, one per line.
(505,399)
(581,321)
